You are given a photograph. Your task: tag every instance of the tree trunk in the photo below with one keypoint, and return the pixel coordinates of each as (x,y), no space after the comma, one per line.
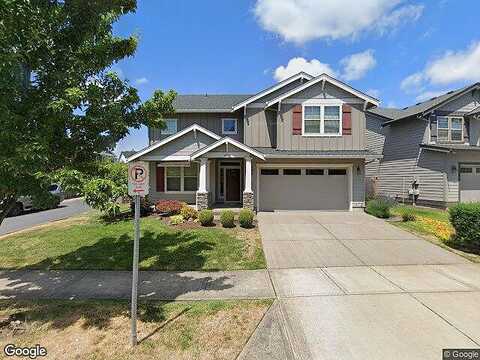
(6,204)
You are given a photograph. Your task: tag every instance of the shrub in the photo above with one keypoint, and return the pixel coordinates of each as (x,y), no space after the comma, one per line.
(205,217)
(176,219)
(465,219)
(169,207)
(45,200)
(102,194)
(379,207)
(245,218)
(227,218)
(188,212)
(408,215)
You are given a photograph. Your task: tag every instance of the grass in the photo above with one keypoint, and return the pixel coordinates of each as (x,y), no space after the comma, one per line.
(100,329)
(87,243)
(434,225)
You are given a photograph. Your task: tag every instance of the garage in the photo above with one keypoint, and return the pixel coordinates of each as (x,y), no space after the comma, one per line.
(304,188)
(469,182)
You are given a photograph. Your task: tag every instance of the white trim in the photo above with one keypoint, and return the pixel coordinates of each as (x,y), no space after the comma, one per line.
(349,168)
(156,145)
(342,100)
(227,141)
(322,119)
(182,180)
(167,158)
(449,130)
(235,132)
(324,77)
(281,84)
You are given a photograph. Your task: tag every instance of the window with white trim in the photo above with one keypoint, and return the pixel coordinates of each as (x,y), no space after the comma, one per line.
(322,120)
(229,126)
(449,129)
(181,178)
(170,127)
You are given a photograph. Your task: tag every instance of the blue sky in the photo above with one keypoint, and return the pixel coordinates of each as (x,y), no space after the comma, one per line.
(401,51)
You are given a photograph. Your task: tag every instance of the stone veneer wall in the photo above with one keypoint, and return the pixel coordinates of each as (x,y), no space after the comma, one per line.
(202,200)
(248,200)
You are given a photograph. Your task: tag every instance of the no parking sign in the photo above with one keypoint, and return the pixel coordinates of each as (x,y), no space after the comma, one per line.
(138,178)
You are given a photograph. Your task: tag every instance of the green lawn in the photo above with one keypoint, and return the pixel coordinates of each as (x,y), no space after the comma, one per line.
(89,244)
(97,330)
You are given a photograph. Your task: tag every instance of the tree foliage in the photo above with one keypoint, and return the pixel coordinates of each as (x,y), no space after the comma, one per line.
(60,106)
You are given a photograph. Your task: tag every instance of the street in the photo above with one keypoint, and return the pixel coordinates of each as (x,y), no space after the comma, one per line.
(29,219)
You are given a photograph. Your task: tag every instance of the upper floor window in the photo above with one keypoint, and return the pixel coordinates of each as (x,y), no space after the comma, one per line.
(449,129)
(229,126)
(322,120)
(170,127)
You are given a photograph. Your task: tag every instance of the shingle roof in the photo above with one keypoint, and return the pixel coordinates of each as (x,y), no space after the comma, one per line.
(271,152)
(128,153)
(207,102)
(389,113)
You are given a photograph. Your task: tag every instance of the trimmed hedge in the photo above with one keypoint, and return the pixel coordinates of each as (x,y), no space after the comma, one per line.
(379,207)
(227,218)
(205,217)
(245,218)
(465,219)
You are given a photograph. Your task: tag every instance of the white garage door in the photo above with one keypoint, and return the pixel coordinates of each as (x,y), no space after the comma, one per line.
(469,183)
(303,189)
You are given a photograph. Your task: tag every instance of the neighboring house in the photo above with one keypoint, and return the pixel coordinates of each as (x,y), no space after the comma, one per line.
(301,144)
(435,144)
(124,155)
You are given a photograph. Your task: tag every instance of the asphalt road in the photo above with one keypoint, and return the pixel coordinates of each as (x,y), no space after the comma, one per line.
(29,219)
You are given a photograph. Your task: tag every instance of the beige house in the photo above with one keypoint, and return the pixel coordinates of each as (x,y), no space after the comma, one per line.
(298,145)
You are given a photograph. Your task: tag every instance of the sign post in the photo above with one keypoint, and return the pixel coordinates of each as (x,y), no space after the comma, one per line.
(137,187)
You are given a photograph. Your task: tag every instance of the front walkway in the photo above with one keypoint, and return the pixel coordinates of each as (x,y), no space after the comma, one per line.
(350,286)
(158,285)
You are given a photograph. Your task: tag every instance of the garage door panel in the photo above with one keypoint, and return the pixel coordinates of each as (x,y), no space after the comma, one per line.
(303,192)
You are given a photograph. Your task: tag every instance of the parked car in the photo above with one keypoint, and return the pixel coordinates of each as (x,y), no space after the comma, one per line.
(25,202)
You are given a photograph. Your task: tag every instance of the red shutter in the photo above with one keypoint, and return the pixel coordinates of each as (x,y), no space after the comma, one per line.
(346,119)
(160,179)
(297,120)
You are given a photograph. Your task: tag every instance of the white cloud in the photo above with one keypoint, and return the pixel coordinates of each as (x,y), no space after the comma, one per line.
(302,20)
(455,66)
(356,65)
(429,94)
(141,81)
(413,83)
(374,92)
(313,67)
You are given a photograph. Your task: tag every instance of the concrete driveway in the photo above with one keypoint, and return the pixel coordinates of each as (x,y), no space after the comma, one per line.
(350,286)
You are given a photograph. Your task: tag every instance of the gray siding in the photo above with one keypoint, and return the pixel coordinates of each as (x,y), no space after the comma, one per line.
(328,92)
(287,141)
(156,196)
(375,140)
(463,104)
(475,132)
(260,128)
(212,122)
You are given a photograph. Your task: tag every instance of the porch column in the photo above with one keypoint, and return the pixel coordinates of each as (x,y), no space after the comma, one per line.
(202,193)
(248,197)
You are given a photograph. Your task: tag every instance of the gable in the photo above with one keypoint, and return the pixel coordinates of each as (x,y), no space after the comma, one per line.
(281,91)
(329,91)
(463,104)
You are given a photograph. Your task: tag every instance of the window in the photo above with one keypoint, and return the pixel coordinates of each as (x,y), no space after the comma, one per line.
(449,129)
(179,179)
(173,178)
(229,126)
(269,172)
(466,170)
(315,171)
(337,172)
(292,172)
(170,127)
(322,120)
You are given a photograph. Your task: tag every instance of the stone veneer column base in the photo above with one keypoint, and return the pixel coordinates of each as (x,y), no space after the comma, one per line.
(248,201)
(202,200)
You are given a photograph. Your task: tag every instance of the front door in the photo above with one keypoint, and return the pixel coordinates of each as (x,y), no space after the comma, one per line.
(232,177)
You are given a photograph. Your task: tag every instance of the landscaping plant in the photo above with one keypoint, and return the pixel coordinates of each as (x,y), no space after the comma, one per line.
(205,217)
(465,218)
(379,207)
(227,218)
(169,207)
(188,212)
(145,206)
(176,219)
(408,216)
(245,218)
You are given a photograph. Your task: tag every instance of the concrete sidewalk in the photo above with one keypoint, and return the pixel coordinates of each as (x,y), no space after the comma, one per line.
(158,285)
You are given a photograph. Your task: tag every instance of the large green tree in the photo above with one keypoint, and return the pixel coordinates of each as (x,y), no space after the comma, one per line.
(59,105)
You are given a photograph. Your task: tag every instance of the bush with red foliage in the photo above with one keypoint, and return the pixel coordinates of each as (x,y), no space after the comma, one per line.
(169,207)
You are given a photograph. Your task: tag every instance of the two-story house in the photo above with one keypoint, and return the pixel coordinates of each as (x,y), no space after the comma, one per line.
(298,145)
(434,144)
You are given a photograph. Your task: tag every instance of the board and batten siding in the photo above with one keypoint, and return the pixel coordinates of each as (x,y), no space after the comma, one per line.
(375,140)
(210,121)
(260,128)
(287,141)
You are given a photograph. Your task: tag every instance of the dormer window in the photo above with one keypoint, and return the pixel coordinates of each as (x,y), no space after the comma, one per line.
(449,129)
